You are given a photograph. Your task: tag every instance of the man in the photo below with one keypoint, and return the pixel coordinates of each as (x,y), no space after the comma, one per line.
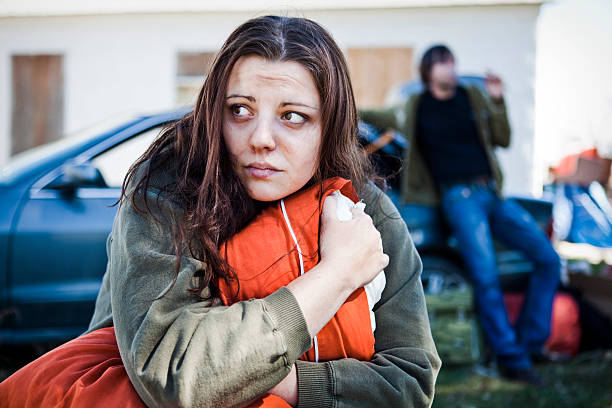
(452,132)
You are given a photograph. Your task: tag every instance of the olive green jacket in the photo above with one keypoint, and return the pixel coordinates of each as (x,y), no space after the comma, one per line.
(182,352)
(416,182)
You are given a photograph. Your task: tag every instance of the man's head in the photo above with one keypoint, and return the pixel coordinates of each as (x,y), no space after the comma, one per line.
(438,71)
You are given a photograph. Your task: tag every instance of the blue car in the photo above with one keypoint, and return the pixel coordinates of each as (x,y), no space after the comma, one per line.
(55,215)
(57,210)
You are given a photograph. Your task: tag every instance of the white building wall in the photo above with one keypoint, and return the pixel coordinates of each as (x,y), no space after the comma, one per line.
(118,63)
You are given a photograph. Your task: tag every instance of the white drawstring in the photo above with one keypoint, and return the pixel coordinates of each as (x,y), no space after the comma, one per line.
(293,236)
(299,250)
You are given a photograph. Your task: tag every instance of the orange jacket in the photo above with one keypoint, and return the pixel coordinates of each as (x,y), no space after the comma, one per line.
(265,257)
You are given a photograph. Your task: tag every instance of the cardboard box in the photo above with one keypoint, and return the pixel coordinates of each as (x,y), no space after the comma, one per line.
(586,171)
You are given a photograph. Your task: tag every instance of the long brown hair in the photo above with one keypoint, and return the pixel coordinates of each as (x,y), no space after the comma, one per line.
(216,205)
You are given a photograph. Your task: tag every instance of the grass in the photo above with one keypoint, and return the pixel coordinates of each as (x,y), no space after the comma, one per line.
(585,381)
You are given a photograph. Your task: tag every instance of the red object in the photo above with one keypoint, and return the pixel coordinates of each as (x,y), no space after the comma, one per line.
(568,165)
(582,169)
(85,372)
(565,329)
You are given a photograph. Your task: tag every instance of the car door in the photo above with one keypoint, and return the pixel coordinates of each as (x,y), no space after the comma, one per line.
(59,245)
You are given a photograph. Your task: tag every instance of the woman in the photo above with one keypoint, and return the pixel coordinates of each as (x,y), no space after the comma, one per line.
(275,116)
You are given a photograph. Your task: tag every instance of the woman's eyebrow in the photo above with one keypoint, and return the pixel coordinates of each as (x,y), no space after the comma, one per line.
(298,104)
(250,98)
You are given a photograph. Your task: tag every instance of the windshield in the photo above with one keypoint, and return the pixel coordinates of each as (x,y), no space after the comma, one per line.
(25,159)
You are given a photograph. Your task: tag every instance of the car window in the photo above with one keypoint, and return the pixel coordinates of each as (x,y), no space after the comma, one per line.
(22,161)
(115,162)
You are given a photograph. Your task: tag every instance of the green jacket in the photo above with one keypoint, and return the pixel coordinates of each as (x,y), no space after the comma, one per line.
(181,352)
(417,184)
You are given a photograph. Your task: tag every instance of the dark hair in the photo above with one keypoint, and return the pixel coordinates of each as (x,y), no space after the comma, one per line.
(435,54)
(216,204)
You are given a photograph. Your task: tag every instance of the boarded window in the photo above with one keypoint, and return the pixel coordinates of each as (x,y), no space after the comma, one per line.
(192,70)
(376,70)
(37,100)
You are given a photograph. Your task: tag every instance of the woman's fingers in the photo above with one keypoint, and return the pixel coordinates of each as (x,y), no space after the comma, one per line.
(357,211)
(329,208)
(353,247)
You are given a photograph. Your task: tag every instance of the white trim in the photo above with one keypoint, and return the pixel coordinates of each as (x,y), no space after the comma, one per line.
(297,245)
(26,8)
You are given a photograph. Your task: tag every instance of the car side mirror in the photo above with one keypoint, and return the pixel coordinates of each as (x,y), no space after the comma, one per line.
(75,176)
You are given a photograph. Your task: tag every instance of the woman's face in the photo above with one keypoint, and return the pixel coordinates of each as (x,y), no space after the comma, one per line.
(272,126)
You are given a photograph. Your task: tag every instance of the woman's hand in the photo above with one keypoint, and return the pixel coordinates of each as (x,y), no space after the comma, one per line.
(351,256)
(353,249)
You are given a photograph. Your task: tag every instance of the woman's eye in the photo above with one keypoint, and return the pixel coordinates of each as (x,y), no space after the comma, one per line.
(239,110)
(294,118)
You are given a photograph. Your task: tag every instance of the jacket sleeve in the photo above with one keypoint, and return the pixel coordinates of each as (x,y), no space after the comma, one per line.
(403,370)
(179,351)
(388,118)
(498,121)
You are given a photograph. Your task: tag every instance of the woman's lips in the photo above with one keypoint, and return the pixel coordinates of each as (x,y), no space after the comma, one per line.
(259,172)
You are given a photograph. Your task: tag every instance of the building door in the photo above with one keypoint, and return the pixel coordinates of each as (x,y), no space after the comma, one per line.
(374,71)
(37,100)
(192,69)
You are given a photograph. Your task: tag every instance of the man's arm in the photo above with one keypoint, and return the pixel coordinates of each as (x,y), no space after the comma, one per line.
(388,118)
(497,114)
(405,365)
(498,123)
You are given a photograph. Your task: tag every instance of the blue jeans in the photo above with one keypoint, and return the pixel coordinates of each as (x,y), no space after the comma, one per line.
(475,213)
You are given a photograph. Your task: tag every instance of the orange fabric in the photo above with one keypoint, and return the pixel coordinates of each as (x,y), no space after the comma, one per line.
(274,262)
(85,372)
(88,371)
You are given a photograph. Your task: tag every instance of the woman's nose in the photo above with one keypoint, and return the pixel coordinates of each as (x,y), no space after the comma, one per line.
(262,137)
